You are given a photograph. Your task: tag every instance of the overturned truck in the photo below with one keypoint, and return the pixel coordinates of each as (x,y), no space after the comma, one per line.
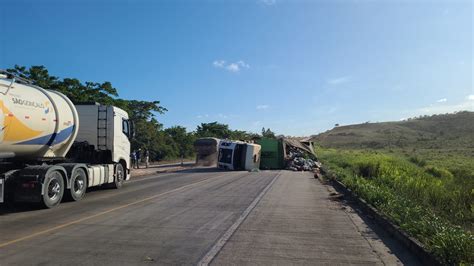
(285,153)
(299,155)
(207,150)
(237,155)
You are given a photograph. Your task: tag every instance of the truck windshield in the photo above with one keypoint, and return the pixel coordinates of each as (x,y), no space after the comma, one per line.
(126,127)
(225,156)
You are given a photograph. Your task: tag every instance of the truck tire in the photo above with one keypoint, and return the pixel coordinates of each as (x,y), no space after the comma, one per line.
(78,185)
(119,176)
(53,189)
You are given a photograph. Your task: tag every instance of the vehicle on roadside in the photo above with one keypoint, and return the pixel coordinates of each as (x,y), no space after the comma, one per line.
(206,150)
(51,148)
(238,155)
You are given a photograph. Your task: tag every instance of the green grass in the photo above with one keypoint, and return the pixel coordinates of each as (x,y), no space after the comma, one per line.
(428,193)
(419,173)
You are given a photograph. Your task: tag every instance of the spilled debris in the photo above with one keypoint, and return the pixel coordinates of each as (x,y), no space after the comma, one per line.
(299,156)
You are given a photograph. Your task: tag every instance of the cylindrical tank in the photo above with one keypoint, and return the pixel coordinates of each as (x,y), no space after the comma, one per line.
(207,150)
(35,123)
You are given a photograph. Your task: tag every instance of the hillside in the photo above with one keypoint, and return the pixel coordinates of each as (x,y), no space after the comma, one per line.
(418,172)
(447,132)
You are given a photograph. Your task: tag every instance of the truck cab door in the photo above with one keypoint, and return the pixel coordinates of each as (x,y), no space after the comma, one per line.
(122,136)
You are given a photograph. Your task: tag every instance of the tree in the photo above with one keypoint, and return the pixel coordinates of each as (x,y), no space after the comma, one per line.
(222,131)
(141,110)
(240,135)
(78,92)
(38,74)
(268,133)
(213,129)
(182,140)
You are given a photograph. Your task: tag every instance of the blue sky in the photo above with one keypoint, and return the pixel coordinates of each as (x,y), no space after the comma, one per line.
(298,67)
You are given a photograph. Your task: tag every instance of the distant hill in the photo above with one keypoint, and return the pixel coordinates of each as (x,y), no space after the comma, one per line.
(448,131)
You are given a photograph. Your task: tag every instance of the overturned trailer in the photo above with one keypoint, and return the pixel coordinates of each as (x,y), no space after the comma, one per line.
(273,154)
(299,155)
(293,154)
(237,155)
(207,150)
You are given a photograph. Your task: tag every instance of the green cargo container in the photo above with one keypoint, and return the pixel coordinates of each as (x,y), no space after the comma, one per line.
(272,156)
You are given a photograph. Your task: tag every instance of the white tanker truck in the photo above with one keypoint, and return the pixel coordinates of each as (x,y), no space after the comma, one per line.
(50,148)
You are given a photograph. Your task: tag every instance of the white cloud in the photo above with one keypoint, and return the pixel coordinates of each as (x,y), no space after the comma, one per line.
(263,106)
(445,108)
(243,64)
(338,80)
(442,100)
(470,97)
(218,63)
(268,2)
(202,116)
(231,67)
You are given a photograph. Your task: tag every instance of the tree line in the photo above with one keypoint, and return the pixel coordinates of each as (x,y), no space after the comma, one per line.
(162,143)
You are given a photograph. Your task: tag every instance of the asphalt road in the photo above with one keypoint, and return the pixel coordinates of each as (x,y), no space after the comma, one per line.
(196,217)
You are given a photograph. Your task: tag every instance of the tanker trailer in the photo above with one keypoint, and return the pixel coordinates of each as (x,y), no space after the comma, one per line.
(51,148)
(207,150)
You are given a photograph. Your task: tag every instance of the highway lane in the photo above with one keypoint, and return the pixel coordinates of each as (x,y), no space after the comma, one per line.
(172,218)
(197,216)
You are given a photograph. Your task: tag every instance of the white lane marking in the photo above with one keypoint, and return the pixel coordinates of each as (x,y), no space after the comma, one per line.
(212,253)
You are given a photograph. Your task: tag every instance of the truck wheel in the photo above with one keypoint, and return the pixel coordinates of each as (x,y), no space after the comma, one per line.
(53,189)
(119,176)
(78,185)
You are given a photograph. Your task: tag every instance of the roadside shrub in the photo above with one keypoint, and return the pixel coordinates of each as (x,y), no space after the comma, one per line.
(368,169)
(430,203)
(418,161)
(438,172)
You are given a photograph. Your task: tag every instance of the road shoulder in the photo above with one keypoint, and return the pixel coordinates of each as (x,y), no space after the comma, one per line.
(296,222)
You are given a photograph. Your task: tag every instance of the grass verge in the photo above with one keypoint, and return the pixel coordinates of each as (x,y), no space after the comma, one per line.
(428,202)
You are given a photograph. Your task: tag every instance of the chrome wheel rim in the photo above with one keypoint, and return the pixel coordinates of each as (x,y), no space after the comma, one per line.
(78,185)
(54,188)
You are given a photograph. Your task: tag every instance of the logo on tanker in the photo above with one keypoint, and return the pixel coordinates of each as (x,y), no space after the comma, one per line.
(46,110)
(33,104)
